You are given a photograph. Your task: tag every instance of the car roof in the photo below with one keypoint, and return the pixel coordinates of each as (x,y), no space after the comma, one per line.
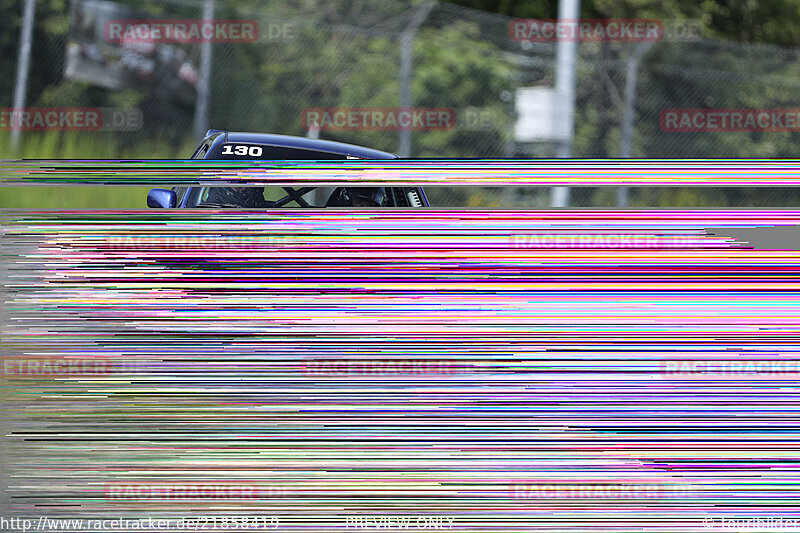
(303,143)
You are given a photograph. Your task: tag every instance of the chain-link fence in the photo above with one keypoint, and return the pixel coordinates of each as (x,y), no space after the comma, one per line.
(325,56)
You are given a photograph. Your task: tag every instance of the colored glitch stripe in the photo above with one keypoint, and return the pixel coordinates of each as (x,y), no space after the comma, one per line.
(474,371)
(439,172)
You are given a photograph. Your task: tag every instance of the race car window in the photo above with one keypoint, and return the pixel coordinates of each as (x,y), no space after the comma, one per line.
(255,197)
(200,152)
(281,197)
(180,192)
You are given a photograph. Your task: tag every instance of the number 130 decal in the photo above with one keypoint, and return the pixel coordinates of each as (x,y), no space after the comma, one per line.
(241,149)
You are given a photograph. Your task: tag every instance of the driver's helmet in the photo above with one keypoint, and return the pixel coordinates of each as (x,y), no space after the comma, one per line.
(358,197)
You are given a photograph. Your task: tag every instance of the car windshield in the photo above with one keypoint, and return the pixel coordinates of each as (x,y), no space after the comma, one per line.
(274,197)
(259,197)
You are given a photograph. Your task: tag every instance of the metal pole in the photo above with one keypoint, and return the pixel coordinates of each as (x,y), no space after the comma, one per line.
(204,83)
(11,250)
(23,65)
(406,63)
(566,52)
(628,111)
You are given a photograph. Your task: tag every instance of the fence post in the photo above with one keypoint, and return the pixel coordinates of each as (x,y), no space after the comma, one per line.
(204,82)
(566,52)
(23,64)
(406,62)
(628,111)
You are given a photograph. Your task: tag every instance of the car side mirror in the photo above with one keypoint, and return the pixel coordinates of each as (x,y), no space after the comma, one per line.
(163,198)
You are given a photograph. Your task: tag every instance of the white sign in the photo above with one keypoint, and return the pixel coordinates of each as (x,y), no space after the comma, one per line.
(537,116)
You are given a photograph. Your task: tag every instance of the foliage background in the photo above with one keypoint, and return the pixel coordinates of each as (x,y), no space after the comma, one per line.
(345,53)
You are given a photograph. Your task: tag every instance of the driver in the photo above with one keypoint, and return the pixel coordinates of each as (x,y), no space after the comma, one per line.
(358,197)
(253,197)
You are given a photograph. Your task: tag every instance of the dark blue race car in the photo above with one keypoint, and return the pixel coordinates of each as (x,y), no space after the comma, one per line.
(261,146)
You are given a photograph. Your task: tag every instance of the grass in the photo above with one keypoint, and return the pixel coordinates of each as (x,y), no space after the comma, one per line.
(83,145)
